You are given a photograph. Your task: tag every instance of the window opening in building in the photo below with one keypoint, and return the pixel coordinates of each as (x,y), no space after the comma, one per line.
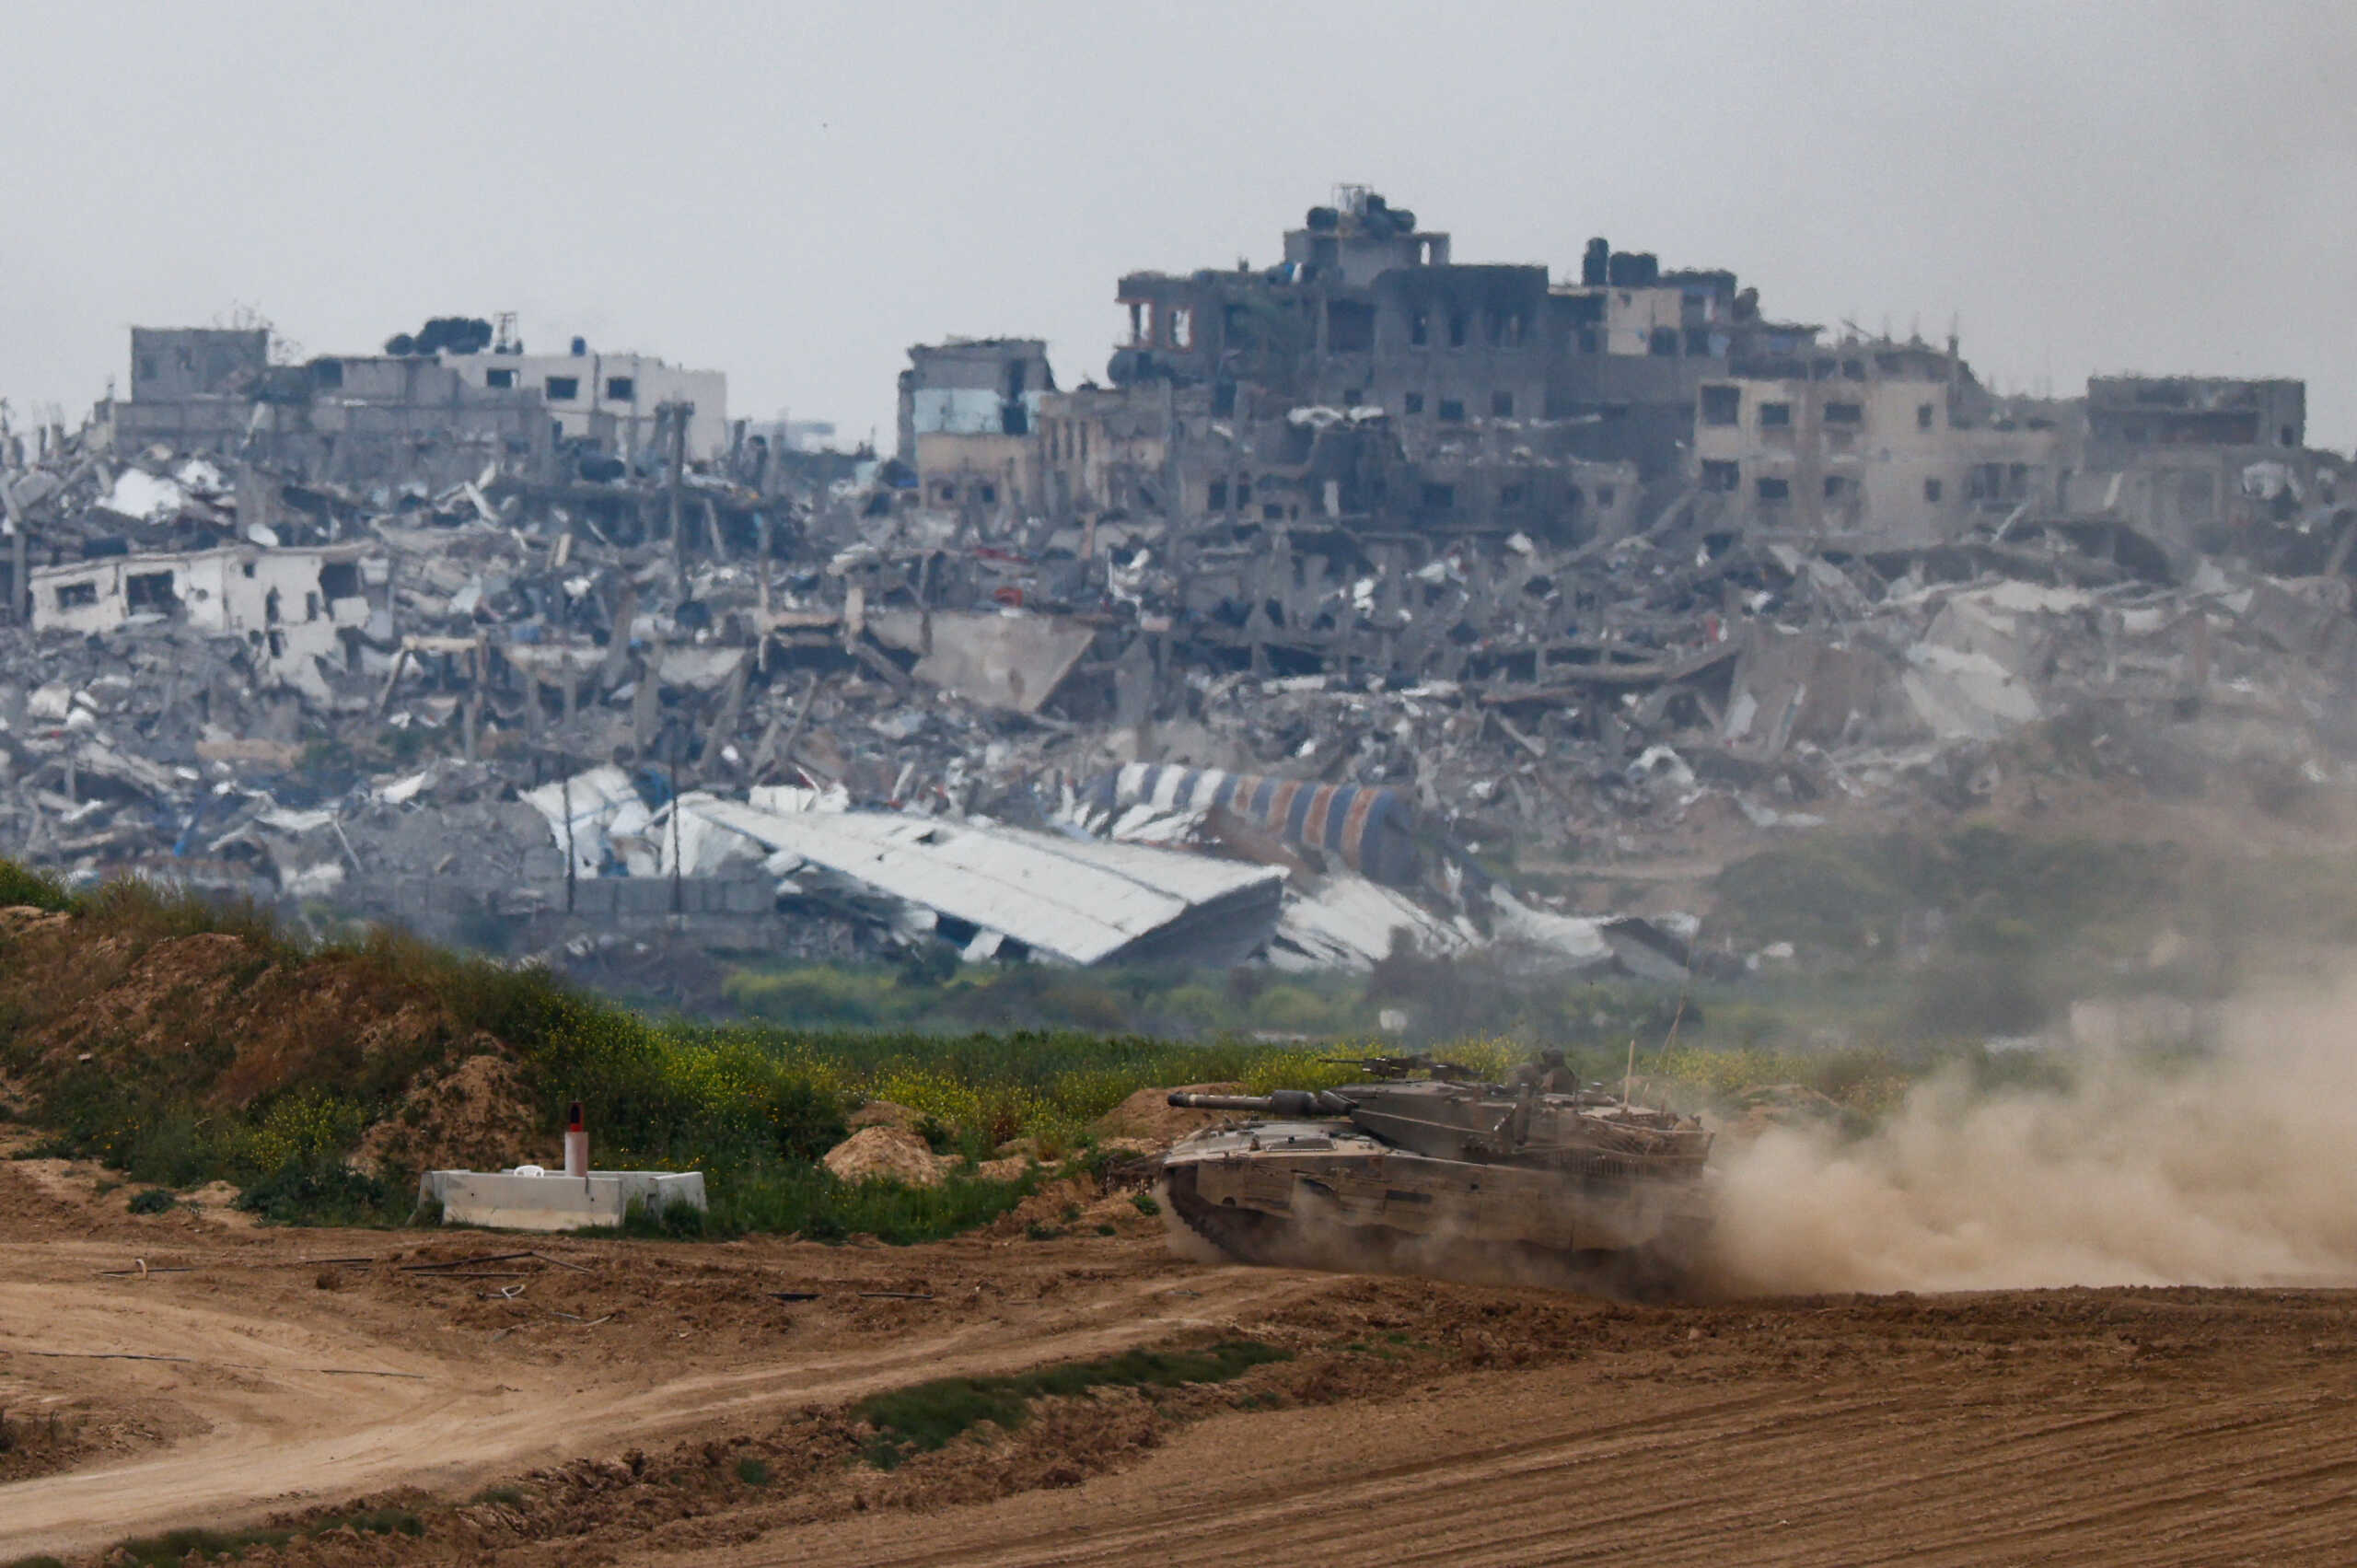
(77,595)
(1218,502)
(1452,410)
(1722,405)
(621,388)
(1834,485)
(1931,488)
(1662,344)
(1350,326)
(1775,416)
(150,590)
(563,389)
(499,379)
(1457,328)
(1440,498)
(1182,326)
(1513,497)
(1413,403)
(1922,416)
(1420,328)
(340,579)
(989,494)
(1845,413)
(1501,405)
(1775,489)
(1722,477)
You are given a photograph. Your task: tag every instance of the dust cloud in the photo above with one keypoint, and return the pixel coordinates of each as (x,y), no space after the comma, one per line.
(2235,1169)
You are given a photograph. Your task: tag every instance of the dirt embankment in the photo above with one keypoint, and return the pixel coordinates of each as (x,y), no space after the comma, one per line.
(228,1020)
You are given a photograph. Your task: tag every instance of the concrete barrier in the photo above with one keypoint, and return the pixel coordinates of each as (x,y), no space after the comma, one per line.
(509,1200)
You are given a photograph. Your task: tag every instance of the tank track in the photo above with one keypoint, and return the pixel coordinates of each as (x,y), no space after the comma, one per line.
(1244,1234)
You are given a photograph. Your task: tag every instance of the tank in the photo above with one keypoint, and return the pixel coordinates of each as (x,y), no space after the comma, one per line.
(1429,1171)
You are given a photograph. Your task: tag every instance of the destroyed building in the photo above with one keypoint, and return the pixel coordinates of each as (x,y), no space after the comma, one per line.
(1369,308)
(1372,598)
(1889,441)
(410,417)
(607,402)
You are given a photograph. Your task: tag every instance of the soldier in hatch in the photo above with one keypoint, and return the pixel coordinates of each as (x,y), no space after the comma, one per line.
(1549,1074)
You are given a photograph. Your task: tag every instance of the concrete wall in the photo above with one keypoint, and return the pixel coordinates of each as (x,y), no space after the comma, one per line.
(987,476)
(611,398)
(290,604)
(1099,450)
(168,363)
(1880,457)
(990,386)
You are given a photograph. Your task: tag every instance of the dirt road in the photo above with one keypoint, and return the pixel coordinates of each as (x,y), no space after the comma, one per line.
(282,1396)
(2151,1431)
(616,1396)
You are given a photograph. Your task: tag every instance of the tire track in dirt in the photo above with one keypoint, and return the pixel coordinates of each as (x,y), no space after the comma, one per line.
(282,1437)
(1803,1475)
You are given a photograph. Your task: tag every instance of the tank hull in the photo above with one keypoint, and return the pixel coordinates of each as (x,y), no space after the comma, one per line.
(1321,1193)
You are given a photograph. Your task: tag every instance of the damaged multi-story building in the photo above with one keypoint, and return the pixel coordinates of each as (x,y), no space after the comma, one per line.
(1896,442)
(968,419)
(1899,445)
(410,417)
(1367,381)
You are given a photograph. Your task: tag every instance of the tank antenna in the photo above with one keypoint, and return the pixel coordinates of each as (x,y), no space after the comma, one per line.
(1629,1077)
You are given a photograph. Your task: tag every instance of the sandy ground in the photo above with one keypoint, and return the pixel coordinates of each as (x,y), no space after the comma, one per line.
(1418,1421)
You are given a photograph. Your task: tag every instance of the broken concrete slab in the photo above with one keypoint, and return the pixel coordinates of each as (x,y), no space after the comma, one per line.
(530,1199)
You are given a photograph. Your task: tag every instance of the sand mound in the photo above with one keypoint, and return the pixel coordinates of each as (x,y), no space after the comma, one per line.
(476,1116)
(20,918)
(1149,1115)
(884,1154)
(883,1113)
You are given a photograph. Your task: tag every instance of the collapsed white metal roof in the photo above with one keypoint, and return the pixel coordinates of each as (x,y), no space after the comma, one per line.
(1077,899)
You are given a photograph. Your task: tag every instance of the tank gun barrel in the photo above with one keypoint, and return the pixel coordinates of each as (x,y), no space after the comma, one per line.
(1284,1102)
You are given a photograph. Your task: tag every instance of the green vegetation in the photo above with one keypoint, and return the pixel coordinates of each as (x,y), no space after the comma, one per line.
(929,1415)
(753,1471)
(1916,948)
(153,1201)
(176,1547)
(1168,1003)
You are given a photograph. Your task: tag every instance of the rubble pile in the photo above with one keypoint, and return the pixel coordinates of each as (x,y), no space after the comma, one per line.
(517,713)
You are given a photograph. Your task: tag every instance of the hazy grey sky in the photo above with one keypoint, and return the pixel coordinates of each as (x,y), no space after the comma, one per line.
(795,194)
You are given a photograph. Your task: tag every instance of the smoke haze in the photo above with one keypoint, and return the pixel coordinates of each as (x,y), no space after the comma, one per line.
(2236,1169)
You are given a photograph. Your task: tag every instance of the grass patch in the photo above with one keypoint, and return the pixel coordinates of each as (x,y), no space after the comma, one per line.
(753,1471)
(154,1201)
(927,1416)
(176,1547)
